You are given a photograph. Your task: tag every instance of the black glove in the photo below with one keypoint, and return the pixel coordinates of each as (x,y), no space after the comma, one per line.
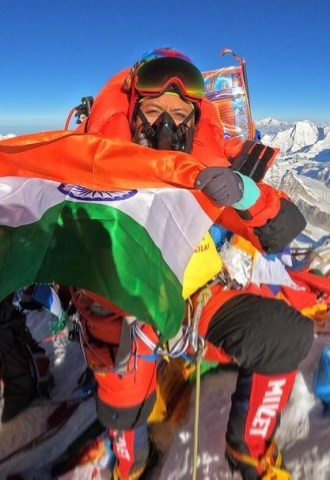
(222,185)
(254,160)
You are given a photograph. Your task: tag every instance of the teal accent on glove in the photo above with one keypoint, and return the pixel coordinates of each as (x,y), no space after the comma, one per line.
(251,193)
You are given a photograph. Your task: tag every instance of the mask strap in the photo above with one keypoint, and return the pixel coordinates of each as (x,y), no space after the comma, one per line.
(147,125)
(187,132)
(183,126)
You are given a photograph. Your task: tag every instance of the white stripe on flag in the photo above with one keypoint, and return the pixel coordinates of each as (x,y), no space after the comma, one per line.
(173,217)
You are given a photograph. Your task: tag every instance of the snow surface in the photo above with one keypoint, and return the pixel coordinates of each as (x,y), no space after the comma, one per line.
(304,434)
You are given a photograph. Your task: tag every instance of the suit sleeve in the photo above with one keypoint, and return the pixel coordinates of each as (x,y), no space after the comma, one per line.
(270,224)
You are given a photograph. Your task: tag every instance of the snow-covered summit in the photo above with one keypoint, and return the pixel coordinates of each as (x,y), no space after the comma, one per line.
(302,169)
(270,126)
(304,139)
(268,121)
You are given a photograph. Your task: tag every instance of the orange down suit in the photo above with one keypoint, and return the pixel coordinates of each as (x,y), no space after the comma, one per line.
(126,400)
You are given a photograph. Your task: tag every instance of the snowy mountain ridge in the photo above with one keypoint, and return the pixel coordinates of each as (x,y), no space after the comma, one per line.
(302,168)
(303,138)
(271,126)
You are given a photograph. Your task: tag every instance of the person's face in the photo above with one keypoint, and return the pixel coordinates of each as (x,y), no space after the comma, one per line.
(152,108)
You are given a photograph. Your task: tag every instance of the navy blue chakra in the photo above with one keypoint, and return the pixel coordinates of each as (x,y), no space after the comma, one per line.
(82,193)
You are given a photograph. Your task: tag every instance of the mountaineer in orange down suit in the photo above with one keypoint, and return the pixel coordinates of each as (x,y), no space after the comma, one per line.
(160,103)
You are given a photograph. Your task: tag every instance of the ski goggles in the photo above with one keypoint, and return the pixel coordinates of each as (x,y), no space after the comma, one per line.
(154,77)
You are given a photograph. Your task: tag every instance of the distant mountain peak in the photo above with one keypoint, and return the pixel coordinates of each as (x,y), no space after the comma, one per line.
(303,137)
(271,126)
(268,121)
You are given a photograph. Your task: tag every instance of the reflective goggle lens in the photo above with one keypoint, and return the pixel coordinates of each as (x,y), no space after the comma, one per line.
(154,76)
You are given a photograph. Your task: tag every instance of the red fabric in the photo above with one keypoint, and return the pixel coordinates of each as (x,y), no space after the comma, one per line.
(269,396)
(133,387)
(299,299)
(216,354)
(123,444)
(315,282)
(313,286)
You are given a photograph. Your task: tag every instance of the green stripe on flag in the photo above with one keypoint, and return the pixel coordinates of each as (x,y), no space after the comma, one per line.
(99,248)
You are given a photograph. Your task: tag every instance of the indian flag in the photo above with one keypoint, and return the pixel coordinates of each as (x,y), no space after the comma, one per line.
(130,245)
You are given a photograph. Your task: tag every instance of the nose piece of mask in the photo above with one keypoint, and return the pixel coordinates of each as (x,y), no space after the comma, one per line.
(164,134)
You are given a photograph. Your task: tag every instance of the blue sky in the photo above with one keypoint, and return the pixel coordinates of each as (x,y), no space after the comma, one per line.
(53,53)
